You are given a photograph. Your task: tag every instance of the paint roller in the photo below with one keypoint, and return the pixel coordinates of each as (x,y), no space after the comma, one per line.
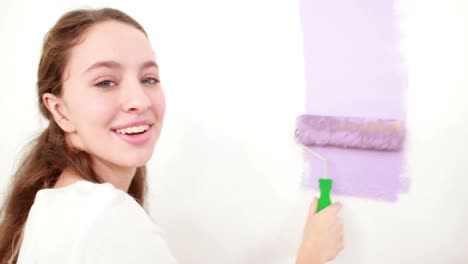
(347,132)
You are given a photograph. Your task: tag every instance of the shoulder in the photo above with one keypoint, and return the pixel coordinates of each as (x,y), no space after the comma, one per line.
(95,223)
(91,205)
(71,210)
(67,208)
(121,232)
(80,192)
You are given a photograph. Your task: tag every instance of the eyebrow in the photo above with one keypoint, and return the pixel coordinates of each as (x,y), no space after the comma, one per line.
(115,65)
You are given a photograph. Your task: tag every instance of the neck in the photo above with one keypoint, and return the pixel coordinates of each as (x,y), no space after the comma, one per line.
(120,177)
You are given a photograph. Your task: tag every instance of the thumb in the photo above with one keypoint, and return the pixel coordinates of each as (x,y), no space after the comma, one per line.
(313,206)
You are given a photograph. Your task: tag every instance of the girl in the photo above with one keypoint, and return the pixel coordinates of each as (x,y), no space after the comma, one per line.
(78,195)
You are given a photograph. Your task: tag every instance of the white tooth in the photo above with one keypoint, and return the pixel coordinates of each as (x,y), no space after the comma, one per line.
(135,129)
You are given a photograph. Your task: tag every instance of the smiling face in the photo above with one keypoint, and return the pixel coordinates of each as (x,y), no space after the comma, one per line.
(112,105)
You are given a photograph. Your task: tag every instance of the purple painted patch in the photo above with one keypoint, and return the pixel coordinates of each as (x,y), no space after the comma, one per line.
(354,69)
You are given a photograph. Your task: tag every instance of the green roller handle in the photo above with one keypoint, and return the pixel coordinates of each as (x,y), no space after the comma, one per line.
(325,188)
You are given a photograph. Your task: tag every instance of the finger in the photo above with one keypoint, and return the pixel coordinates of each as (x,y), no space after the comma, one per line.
(336,232)
(339,222)
(332,210)
(336,207)
(338,239)
(313,206)
(337,226)
(341,245)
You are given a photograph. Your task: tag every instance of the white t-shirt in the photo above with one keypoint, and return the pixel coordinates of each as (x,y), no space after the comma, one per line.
(86,223)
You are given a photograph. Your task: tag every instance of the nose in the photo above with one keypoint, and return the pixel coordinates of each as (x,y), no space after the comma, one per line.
(134,97)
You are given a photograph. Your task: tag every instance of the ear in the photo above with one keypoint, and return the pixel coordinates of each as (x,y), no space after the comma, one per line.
(58,110)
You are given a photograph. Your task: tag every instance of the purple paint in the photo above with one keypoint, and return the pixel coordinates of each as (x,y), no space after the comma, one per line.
(354,68)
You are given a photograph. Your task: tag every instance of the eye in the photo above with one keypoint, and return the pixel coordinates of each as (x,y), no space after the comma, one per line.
(150,81)
(106,84)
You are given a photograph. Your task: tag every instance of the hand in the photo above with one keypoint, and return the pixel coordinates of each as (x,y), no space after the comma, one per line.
(323,235)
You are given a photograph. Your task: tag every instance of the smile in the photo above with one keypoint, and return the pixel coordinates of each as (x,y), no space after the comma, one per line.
(135,135)
(133,130)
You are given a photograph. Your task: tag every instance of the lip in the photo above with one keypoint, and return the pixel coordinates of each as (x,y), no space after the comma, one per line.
(135,123)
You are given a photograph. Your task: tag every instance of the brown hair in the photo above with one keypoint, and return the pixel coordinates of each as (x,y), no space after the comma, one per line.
(49,154)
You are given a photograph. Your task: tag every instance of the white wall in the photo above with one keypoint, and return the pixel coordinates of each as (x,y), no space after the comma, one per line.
(225,174)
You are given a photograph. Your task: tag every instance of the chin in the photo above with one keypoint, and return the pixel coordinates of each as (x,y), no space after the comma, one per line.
(135,160)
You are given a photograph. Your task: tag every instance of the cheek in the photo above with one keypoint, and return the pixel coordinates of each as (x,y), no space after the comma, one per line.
(158,102)
(93,111)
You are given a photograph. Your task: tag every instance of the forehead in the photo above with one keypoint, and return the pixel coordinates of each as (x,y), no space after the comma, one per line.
(111,40)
